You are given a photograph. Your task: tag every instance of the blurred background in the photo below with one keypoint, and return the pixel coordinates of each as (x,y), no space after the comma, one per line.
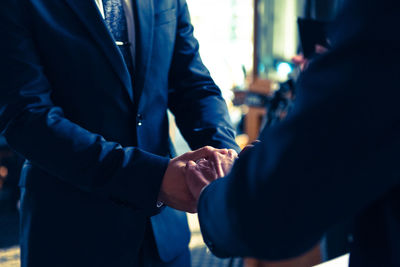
(248,46)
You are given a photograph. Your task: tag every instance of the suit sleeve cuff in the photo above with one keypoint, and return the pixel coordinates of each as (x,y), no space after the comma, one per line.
(216,223)
(140,179)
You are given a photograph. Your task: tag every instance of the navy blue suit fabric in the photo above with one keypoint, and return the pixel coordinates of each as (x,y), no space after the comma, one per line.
(335,157)
(95,154)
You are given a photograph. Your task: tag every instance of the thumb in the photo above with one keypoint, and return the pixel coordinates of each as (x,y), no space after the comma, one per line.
(190,165)
(194,179)
(203,152)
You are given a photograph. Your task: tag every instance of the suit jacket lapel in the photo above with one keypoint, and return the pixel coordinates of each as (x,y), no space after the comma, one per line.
(144,41)
(89,14)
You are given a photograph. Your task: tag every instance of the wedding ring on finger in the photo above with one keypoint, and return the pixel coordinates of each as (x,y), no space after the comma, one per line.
(200,160)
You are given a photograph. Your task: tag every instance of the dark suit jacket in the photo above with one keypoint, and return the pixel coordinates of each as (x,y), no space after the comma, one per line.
(96,155)
(334,158)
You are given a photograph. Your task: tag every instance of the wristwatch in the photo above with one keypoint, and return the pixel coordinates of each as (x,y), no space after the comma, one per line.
(159,204)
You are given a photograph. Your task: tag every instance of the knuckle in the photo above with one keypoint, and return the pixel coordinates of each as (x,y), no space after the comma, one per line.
(208,148)
(224,151)
(213,153)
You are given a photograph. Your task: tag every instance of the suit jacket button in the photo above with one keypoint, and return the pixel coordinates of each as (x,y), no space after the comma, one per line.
(139,119)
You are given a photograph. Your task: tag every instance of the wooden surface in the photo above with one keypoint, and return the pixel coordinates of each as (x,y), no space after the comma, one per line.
(253,121)
(255,115)
(261,86)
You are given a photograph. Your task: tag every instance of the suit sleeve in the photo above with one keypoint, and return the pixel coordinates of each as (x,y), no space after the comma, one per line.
(38,129)
(333,156)
(200,111)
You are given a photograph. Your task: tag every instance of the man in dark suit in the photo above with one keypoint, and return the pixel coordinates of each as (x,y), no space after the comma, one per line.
(334,158)
(85,87)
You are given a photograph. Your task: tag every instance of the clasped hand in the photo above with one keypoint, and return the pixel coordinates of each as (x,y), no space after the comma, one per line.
(188,174)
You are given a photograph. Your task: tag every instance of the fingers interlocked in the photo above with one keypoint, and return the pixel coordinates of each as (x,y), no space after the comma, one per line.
(210,165)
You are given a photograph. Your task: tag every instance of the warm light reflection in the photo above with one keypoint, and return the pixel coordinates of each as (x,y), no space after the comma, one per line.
(3,172)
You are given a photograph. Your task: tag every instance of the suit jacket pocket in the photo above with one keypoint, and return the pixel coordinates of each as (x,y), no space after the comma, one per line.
(165,17)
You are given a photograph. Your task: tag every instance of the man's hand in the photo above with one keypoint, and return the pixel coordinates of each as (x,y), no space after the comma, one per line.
(201,173)
(174,189)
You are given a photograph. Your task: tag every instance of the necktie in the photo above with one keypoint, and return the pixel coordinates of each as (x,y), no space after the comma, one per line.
(115,19)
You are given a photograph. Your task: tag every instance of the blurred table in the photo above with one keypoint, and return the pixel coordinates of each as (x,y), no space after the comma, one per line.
(255,99)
